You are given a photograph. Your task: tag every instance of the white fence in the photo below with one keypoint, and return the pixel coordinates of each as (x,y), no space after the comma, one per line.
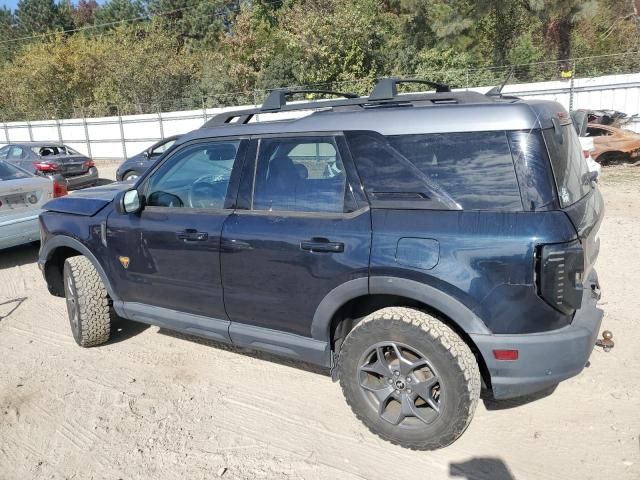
(119,137)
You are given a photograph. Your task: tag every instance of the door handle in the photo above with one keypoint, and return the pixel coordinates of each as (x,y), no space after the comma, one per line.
(191,235)
(322,245)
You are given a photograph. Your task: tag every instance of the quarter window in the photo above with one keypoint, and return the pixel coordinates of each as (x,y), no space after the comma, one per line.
(304,174)
(196,177)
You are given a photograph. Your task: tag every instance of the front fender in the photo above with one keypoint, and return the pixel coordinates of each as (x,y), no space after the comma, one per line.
(48,250)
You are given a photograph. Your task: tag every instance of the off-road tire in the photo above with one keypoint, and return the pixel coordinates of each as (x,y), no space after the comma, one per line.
(442,347)
(84,288)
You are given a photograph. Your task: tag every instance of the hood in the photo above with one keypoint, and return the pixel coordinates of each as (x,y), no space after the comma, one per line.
(86,202)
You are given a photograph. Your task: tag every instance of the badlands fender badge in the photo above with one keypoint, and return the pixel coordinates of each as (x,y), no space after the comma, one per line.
(124,261)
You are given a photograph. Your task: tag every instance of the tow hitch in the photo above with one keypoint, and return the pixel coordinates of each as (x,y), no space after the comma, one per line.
(606,341)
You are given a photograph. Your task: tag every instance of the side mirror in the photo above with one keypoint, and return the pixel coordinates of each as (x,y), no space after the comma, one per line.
(147,154)
(129,201)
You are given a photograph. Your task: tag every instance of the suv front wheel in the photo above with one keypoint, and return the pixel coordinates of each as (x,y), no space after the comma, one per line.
(88,303)
(409,378)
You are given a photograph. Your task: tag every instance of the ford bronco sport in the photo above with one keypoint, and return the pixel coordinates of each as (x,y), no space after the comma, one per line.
(421,246)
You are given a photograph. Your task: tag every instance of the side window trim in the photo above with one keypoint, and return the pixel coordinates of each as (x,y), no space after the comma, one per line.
(174,151)
(357,203)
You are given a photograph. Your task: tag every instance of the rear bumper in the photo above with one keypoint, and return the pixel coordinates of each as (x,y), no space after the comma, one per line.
(544,359)
(85,180)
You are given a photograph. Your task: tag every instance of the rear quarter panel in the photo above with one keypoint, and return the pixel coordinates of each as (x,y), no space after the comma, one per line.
(485,260)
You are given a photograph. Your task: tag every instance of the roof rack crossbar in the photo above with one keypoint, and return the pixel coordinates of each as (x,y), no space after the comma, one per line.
(387,88)
(278,98)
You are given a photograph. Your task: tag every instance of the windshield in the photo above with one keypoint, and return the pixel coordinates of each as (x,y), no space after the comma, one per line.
(568,164)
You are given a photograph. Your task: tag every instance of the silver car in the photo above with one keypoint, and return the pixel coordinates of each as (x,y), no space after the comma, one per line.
(22,195)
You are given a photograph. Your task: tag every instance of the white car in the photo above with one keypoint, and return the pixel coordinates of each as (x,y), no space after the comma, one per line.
(22,196)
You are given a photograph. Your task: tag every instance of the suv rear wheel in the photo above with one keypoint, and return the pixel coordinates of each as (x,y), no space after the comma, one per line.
(409,378)
(88,303)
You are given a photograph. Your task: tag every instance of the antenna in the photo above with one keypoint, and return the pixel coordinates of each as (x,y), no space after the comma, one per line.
(497,91)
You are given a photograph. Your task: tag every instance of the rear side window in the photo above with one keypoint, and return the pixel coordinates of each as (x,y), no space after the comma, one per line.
(476,169)
(300,174)
(472,171)
(568,164)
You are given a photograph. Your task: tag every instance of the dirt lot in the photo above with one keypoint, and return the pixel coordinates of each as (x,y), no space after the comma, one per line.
(154,404)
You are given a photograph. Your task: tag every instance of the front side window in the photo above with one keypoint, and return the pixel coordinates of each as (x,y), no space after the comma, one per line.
(4,151)
(196,177)
(303,174)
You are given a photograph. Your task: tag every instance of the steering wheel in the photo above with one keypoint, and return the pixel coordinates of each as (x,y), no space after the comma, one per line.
(206,192)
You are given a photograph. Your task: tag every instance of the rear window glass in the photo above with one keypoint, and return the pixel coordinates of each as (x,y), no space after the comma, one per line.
(475,169)
(11,172)
(568,164)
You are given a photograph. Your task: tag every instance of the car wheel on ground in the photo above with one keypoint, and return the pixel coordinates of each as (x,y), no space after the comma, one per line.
(130,176)
(409,378)
(88,304)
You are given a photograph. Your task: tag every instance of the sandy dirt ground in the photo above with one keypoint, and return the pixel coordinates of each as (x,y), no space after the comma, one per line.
(152,404)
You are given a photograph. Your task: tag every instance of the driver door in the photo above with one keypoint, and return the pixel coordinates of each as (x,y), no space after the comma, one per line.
(167,256)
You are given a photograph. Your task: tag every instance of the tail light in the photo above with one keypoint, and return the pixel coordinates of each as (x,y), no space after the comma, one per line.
(89,163)
(560,268)
(45,166)
(586,154)
(59,189)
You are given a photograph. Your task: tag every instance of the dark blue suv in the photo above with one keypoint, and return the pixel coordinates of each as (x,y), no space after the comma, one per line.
(421,246)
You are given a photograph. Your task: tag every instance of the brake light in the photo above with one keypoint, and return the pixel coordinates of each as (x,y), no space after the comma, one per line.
(559,275)
(89,163)
(59,189)
(45,166)
(586,154)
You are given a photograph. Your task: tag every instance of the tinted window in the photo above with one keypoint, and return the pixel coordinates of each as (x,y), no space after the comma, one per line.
(10,172)
(299,174)
(568,164)
(534,175)
(475,169)
(4,151)
(196,177)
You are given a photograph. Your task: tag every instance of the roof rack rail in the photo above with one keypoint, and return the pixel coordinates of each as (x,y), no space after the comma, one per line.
(387,88)
(381,96)
(278,98)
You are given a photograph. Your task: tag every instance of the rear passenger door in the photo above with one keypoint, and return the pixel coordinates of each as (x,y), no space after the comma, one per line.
(301,228)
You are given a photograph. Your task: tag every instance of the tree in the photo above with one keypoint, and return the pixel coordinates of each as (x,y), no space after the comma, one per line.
(559,18)
(195,23)
(7,34)
(38,16)
(85,12)
(118,11)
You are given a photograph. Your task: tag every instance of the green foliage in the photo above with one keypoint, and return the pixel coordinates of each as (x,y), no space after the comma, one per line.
(40,16)
(195,53)
(119,10)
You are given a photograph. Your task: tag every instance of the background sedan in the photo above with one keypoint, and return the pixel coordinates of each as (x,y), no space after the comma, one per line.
(53,160)
(22,195)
